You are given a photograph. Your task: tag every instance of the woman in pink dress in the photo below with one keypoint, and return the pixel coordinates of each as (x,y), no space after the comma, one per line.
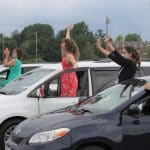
(70,56)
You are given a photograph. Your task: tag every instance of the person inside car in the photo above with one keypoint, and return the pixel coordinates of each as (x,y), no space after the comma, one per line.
(128,60)
(70,56)
(14,63)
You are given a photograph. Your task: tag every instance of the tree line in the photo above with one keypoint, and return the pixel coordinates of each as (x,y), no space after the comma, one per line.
(48,44)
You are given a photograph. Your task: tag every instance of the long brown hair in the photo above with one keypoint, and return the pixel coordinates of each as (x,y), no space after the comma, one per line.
(72,47)
(19,53)
(134,54)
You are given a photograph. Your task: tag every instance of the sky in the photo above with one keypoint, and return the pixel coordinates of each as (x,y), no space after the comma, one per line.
(127,16)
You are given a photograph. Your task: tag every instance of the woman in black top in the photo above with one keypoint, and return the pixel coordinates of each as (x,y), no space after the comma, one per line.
(128,60)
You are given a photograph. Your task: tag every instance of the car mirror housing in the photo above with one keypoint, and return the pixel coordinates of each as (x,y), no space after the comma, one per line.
(134,109)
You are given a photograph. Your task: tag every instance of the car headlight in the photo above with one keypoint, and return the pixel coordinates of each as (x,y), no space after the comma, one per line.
(48,136)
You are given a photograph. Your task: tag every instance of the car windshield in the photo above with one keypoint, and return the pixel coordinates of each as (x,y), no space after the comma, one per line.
(22,83)
(110,98)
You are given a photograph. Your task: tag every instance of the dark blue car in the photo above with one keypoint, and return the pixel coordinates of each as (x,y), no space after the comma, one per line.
(115,119)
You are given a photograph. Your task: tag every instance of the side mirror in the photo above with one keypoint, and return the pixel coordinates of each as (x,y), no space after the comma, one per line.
(40,92)
(134,109)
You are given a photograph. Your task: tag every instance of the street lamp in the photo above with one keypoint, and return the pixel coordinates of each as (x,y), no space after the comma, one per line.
(107,21)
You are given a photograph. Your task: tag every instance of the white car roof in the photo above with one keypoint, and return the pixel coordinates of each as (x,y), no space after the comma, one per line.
(57,65)
(45,65)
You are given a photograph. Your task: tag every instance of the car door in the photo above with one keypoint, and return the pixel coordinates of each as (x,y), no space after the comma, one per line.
(136,128)
(52,99)
(103,77)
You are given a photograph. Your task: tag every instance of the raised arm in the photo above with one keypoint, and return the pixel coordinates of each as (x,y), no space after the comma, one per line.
(69,28)
(117,57)
(100,48)
(109,44)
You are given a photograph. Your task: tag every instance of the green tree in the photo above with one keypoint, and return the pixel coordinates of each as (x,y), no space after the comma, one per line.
(84,39)
(119,38)
(1,47)
(15,36)
(133,37)
(146,52)
(45,40)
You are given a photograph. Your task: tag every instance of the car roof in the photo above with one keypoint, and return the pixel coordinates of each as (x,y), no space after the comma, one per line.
(57,65)
(44,65)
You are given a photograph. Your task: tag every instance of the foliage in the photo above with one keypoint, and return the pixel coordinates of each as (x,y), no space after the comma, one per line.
(119,38)
(84,39)
(146,52)
(133,37)
(41,36)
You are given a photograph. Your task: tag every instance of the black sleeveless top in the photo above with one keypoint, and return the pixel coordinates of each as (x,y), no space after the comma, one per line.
(128,67)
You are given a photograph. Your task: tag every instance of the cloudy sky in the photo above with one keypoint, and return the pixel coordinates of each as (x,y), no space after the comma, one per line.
(127,16)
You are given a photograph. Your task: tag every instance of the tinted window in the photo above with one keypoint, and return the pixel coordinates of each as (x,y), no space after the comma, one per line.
(103,79)
(146,70)
(27,69)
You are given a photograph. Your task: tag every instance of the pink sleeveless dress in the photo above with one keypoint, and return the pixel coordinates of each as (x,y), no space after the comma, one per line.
(69,81)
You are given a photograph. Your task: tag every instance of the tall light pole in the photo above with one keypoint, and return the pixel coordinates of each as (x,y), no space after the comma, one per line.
(107,21)
(36,47)
(3,45)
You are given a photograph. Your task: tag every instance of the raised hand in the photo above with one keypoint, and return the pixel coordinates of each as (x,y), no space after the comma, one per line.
(147,86)
(6,52)
(99,42)
(107,39)
(70,27)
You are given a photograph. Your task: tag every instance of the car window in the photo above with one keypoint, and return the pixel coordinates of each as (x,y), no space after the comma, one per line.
(4,75)
(140,72)
(28,68)
(22,83)
(53,87)
(144,107)
(146,70)
(102,79)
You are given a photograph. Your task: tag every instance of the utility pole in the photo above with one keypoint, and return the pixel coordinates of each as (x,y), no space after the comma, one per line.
(36,47)
(107,21)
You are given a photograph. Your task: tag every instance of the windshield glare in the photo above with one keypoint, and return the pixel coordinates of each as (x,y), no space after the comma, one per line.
(110,98)
(28,79)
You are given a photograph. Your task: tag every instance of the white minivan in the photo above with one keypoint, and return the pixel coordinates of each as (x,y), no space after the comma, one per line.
(22,98)
(4,71)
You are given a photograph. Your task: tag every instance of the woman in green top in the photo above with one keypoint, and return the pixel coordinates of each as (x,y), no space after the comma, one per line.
(14,63)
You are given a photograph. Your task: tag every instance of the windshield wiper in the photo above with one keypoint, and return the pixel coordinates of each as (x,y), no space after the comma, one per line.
(86,110)
(2,92)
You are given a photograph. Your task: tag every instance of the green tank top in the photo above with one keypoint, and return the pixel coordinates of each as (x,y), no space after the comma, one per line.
(15,72)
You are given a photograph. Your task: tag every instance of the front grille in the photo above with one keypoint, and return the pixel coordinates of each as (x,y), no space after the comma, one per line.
(15,139)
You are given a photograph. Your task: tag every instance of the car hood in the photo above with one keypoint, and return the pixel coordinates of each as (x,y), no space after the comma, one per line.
(50,122)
